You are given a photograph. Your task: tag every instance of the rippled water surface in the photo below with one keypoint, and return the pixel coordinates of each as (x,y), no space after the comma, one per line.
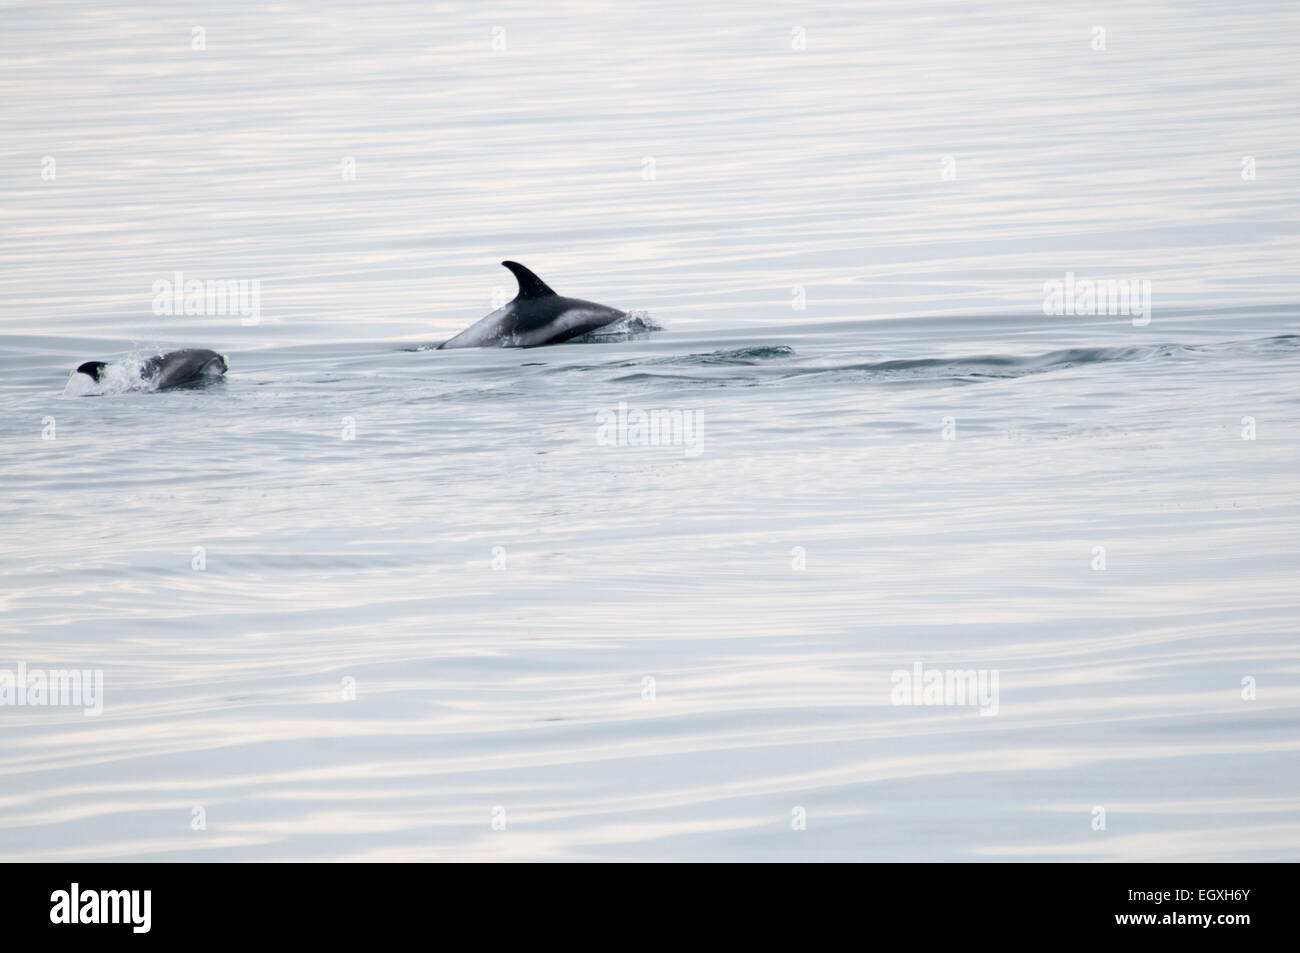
(368,600)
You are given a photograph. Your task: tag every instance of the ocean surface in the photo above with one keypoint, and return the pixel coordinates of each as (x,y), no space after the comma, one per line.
(652,595)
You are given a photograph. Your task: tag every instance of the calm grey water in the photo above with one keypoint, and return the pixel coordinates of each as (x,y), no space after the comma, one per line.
(367,600)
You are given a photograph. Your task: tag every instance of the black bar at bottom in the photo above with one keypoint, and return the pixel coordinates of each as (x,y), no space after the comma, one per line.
(334,902)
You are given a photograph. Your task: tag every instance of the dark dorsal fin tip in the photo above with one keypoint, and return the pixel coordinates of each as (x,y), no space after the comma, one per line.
(530,286)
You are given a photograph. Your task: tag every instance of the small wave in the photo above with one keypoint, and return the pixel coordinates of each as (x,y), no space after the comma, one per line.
(921,370)
(729,357)
(743,355)
(1278,342)
(756,354)
(1006,366)
(986,367)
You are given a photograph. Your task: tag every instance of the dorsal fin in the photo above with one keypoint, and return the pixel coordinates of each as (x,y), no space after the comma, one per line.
(530,286)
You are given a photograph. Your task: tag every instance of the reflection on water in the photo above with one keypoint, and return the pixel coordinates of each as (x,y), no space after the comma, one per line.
(362,594)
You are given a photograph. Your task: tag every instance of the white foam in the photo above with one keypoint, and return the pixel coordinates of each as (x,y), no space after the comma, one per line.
(118,377)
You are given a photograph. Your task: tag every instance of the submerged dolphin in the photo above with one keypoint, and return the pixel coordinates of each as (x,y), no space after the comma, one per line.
(192,365)
(536,316)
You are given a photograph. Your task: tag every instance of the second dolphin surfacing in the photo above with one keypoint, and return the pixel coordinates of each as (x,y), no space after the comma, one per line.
(536,316)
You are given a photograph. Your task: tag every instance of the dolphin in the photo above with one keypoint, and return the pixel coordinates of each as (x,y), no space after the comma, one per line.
(536,316)
(191,365)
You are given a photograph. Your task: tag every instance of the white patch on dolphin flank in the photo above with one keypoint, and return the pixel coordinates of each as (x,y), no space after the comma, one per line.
(563,322)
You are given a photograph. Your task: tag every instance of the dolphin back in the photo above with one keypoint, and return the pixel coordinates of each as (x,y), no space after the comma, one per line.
(192,365)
